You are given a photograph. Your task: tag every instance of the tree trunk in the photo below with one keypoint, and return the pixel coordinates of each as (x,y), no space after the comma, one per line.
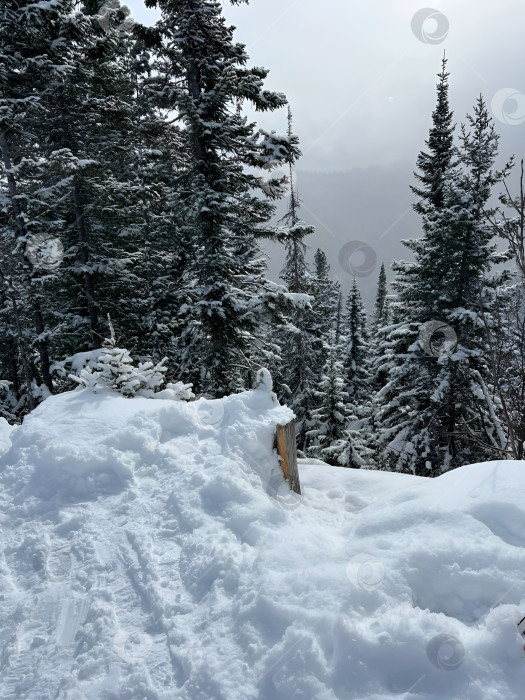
(89,287)
(22,232)
(22,349)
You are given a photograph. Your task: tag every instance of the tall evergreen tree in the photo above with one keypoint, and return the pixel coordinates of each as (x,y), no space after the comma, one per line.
(80,163)
(326,295)
(203,77)
(342,417)
(35,46)
(380,305)
(422,410)
(434,164)
(356,350)
(379,322)
(91,117)
(331,417)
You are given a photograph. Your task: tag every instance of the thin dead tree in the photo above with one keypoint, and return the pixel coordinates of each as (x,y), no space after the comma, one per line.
(510,225)
(505,332)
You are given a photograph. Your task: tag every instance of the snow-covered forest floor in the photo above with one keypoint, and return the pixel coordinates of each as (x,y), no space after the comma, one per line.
(151,549)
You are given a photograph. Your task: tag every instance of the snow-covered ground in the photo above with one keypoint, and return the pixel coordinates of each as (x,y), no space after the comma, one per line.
(150,549)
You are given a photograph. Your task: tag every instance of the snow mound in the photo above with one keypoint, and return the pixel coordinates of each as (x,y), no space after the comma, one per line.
(151,549)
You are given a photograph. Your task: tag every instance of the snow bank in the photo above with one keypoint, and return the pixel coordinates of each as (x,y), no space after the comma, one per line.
(150,549)
(5,433)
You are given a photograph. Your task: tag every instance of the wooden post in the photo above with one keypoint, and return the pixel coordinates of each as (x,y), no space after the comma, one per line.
(287,449)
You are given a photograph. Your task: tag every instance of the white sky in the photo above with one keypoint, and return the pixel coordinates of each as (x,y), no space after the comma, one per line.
(362,89)
(361,85)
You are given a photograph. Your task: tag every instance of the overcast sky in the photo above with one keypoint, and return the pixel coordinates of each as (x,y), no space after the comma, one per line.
(360,78)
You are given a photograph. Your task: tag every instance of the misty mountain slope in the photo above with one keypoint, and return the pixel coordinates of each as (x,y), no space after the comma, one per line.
(150,549)
(372,205)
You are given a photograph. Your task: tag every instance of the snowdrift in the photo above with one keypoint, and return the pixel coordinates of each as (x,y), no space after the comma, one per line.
(150,549)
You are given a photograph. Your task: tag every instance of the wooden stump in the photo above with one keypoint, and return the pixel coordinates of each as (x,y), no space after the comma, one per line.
(287,449)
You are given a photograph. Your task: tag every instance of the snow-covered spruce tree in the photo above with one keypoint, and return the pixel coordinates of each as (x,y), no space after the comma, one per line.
(229,303)
(378,332)
(351,450)
(323,322)
(331,417)
(33,53)
(104,184)
(380,304)
(391,365)
(95,123)
(339,422)
(38,44)
(94,167)
(326,295)
(423,409)
(150,174)
(356,351)
(434,164)
(466,410)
